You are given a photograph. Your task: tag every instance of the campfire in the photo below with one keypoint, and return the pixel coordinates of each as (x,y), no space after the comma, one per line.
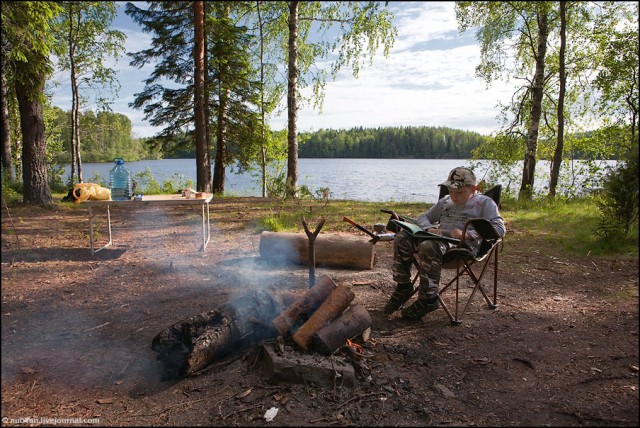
(320,321)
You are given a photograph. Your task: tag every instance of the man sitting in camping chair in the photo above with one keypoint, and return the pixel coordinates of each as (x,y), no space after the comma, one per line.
(447,217)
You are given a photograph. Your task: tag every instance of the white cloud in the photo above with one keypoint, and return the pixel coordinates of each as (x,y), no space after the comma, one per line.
(427,80)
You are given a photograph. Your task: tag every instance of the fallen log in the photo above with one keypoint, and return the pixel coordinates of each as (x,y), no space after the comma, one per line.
(348,325)
(195,342)
(330,250)
(330,309)
(302,308)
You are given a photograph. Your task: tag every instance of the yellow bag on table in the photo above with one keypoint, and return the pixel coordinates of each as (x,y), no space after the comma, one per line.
(90,191)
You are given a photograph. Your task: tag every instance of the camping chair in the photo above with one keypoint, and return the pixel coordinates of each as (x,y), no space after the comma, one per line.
(466,265)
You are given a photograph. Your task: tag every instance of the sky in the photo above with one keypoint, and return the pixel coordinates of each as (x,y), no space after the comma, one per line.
(428,79)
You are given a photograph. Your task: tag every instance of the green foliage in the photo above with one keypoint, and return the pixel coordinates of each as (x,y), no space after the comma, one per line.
(28,39)
(616,38)
(601,41)
(11,191)
(273,223)
(618,202)
(97,179)
(276,180)
(54,147)
(360,29)
(56,180)
(147,184)
(104,136)
(171,25)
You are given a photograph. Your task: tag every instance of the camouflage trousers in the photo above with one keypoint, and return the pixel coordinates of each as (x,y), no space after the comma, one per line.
(429,255)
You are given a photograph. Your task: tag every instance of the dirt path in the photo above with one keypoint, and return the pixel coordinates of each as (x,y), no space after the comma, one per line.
(560,350)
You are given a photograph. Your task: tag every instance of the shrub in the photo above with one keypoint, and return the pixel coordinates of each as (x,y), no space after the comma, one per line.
(618,202)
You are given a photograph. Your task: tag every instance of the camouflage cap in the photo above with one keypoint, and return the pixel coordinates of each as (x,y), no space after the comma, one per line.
(460,177)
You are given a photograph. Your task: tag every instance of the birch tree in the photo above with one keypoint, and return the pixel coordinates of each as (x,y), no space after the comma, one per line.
(84,32)
(515,31)
(362,28)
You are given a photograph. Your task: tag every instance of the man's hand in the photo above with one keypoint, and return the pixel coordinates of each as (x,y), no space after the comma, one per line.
(435,230)
(456,233)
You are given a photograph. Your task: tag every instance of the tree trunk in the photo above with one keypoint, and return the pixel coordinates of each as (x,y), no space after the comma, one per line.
(74,106)
(34,157)
(537,92)
(7,162)
(221,148)
(263,122)
(75,125)
(292,104)
(557,155)
(223,120)
(203,166)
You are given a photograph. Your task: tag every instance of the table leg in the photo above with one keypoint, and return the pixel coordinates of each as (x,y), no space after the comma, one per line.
(91,230)
(206,226)
(93,252)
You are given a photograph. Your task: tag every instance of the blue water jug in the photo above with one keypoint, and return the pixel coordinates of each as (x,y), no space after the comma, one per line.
(121,182)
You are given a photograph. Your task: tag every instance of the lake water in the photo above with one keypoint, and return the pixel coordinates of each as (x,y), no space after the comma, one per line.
(373,180)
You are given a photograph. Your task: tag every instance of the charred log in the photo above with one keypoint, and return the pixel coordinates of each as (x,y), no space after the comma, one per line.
(195,342)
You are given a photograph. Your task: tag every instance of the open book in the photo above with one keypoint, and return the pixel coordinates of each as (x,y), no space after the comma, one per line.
(419,232)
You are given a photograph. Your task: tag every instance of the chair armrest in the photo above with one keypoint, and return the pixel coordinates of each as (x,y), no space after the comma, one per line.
(484,228)
(395,216)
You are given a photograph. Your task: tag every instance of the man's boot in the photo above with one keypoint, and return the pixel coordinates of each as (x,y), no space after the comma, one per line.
(400,295)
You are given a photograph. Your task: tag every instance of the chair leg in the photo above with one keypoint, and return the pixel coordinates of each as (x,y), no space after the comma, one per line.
(454,318)
(465,267)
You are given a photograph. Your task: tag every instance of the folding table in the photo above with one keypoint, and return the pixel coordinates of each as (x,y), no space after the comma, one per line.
(148,201)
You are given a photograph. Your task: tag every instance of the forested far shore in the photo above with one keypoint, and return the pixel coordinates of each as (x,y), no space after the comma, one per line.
(107,135)
(423,142)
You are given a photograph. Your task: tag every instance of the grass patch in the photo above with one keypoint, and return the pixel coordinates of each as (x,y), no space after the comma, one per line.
(559,227)
(567,226)
(556,227)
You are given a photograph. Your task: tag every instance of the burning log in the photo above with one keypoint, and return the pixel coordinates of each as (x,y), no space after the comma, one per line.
(330,309)
(334,251)
(195,342)
(299,311)
(333,336)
